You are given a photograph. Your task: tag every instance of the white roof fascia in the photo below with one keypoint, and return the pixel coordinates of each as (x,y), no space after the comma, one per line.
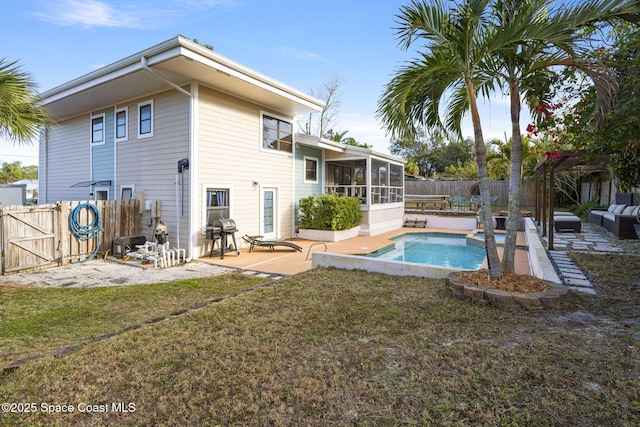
(225,65)
(66,90)
(172,48)
(361,152)
(105,74)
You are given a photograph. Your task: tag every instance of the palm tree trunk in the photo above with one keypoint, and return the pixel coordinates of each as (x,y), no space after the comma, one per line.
(495,268)
(508,260)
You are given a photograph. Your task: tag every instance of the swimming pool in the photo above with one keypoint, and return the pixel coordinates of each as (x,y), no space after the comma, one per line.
(438,249)
(499,236)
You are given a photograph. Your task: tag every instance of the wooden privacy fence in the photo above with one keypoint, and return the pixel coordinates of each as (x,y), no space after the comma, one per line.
(500,189)
(38,236)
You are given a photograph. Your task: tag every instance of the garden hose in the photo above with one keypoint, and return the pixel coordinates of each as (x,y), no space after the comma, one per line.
(92,230)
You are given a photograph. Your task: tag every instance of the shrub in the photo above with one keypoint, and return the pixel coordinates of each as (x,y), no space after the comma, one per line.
(583,210)
(329,212)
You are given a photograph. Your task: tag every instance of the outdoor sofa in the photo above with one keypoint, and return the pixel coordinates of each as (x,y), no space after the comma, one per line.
(619,219)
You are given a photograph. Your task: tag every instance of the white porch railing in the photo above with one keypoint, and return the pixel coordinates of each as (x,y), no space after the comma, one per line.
(379,193)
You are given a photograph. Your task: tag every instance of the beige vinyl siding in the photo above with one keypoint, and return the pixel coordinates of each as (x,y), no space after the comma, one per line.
(66,161)
(229,152)
(150,164)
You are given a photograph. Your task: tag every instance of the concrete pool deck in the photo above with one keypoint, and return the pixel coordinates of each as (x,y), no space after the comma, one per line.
(286,261)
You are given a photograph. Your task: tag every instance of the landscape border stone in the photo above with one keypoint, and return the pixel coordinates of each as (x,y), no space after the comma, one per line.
(554,297)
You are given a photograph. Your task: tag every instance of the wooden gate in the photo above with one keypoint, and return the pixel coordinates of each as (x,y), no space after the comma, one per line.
(28,237)
(40,236)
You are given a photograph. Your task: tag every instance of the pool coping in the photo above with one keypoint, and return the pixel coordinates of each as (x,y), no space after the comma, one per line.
(539,263)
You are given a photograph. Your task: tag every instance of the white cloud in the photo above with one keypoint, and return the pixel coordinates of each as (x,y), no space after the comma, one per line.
(292,52)
(200,4)
(88,13)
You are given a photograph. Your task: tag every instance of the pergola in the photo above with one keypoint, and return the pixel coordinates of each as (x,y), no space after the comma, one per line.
(567,161)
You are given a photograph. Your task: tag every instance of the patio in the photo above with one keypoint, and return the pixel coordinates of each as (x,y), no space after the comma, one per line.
(285,261)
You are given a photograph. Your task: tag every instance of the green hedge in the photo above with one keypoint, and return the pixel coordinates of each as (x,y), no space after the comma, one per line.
(330,212)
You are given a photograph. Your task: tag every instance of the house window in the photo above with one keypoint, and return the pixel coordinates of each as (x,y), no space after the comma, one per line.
(97,129)
(101,193)
(121,125)
(217,204)
(145,119)
(126,192)
(310,170)
(277,134)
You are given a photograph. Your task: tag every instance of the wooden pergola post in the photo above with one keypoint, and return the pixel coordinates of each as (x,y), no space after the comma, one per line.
(536,195)
(544,199)
(551,207)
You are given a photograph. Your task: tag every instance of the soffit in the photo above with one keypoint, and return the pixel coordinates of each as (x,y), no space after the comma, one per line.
(180,62)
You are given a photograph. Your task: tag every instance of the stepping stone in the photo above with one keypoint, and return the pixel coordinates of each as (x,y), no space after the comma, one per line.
(574,276)
(567,271)
(579,282)
(583,290)
(263,275)
(607,249)
(249,272)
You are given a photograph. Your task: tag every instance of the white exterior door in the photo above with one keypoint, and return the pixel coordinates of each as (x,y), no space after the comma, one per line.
(269,217)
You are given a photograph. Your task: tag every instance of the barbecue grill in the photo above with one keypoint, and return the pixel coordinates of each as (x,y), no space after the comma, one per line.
(223,231)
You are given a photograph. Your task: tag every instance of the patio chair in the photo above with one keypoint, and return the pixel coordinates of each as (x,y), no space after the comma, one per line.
(455,202)
(271,244)
(463,203)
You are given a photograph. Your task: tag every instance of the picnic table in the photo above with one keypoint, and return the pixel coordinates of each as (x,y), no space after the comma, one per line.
(424,201)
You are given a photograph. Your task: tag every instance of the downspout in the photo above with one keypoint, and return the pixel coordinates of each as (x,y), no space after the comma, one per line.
(192,174)
(43,189)
(294,195)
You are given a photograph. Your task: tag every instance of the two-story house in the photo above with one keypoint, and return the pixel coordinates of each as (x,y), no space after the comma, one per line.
(197,137)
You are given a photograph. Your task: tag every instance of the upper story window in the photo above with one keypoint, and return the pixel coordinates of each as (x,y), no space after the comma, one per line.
(277,134)
(126,192)
(97,129)
(121,125)
(145,119)
(310,170)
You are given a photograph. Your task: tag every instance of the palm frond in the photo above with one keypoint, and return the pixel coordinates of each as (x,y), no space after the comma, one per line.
(21,115)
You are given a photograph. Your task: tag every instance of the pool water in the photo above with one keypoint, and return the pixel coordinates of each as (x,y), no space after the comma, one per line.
(439,249)
(499,236)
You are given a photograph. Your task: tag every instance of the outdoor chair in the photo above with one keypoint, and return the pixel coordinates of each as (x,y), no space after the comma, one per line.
(456,202)
(462,203)
(271,244)
(475,201)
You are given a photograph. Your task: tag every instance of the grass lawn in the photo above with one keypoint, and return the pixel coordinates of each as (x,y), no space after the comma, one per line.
(41,320)
(332,347)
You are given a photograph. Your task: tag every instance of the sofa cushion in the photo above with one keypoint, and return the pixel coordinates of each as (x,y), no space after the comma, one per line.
(629,210)
(610,216)
(612,207)
(618,210)
(636,211)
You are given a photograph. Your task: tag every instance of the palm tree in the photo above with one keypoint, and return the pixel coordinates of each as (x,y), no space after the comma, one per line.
(457,36)
(20,114)
(498,159)
(542,42)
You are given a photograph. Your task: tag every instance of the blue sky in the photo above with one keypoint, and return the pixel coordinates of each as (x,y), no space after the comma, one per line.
(302,44)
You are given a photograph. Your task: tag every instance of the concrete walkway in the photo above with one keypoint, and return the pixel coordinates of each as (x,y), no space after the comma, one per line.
(101,273)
